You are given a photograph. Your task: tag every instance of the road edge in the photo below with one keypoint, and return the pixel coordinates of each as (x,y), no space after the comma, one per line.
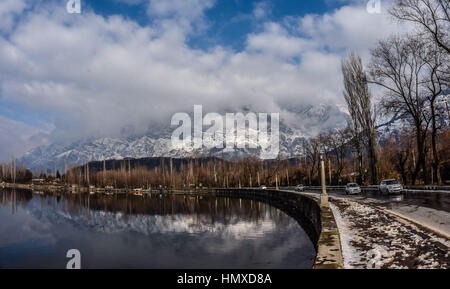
(329,248)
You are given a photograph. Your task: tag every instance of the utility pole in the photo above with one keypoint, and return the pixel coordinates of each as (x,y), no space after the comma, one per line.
(323,196)
(276,180)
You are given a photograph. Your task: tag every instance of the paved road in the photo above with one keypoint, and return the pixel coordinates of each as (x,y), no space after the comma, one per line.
(430,210)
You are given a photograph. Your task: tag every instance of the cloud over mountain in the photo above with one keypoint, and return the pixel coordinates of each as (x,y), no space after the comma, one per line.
(94,75)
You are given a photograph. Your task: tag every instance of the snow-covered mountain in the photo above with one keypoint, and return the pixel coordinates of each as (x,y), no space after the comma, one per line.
(312,119)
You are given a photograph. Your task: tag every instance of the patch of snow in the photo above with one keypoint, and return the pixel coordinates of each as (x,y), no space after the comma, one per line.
(351,254)
(372,238)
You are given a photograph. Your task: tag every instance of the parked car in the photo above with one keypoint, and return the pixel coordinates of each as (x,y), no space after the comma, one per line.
(352,188)
(300,188)
(263,187)
(390,186)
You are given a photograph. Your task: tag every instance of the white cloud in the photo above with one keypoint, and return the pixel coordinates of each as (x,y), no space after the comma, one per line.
(177,19)
(189,9)
(262,10)
(18,137)
(97,75)
(347,28)
(275,40)
(9,10)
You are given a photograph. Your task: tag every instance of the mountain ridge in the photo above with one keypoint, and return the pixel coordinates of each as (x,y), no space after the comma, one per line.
(158,144)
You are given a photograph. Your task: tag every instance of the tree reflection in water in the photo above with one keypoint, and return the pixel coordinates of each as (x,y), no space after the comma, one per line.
(177,231)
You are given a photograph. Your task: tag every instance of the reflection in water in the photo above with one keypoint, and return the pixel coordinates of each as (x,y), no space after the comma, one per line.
(126,231)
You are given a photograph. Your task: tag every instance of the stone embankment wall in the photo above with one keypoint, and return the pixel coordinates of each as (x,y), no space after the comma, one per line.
(316,219)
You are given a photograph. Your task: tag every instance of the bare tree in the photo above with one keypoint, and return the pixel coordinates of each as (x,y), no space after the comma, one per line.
(398,67)
(362,112)
(435,83)
(431,16)
(338,144)
(399,152)
(312,148)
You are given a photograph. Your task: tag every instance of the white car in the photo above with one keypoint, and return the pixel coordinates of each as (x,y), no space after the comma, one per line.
(352,188)
(390,186)
(263,187)
(300,188)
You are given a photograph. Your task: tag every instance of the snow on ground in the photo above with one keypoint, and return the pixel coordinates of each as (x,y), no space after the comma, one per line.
(350,253)
(371,238)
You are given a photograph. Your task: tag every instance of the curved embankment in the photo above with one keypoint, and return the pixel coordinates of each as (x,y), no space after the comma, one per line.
(316,219)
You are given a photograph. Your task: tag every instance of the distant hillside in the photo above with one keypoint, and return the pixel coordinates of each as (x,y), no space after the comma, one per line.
(156,144)
(151,163)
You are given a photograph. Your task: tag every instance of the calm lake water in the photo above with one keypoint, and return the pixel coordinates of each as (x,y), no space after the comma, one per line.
(173,231)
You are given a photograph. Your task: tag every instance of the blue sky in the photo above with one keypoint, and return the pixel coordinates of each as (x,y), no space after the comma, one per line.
(229,20)
(140,61)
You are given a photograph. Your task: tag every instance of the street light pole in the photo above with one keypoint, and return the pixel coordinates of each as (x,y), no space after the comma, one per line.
(323,196)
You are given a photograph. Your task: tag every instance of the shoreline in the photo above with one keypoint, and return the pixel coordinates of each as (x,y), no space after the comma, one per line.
(77,189)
